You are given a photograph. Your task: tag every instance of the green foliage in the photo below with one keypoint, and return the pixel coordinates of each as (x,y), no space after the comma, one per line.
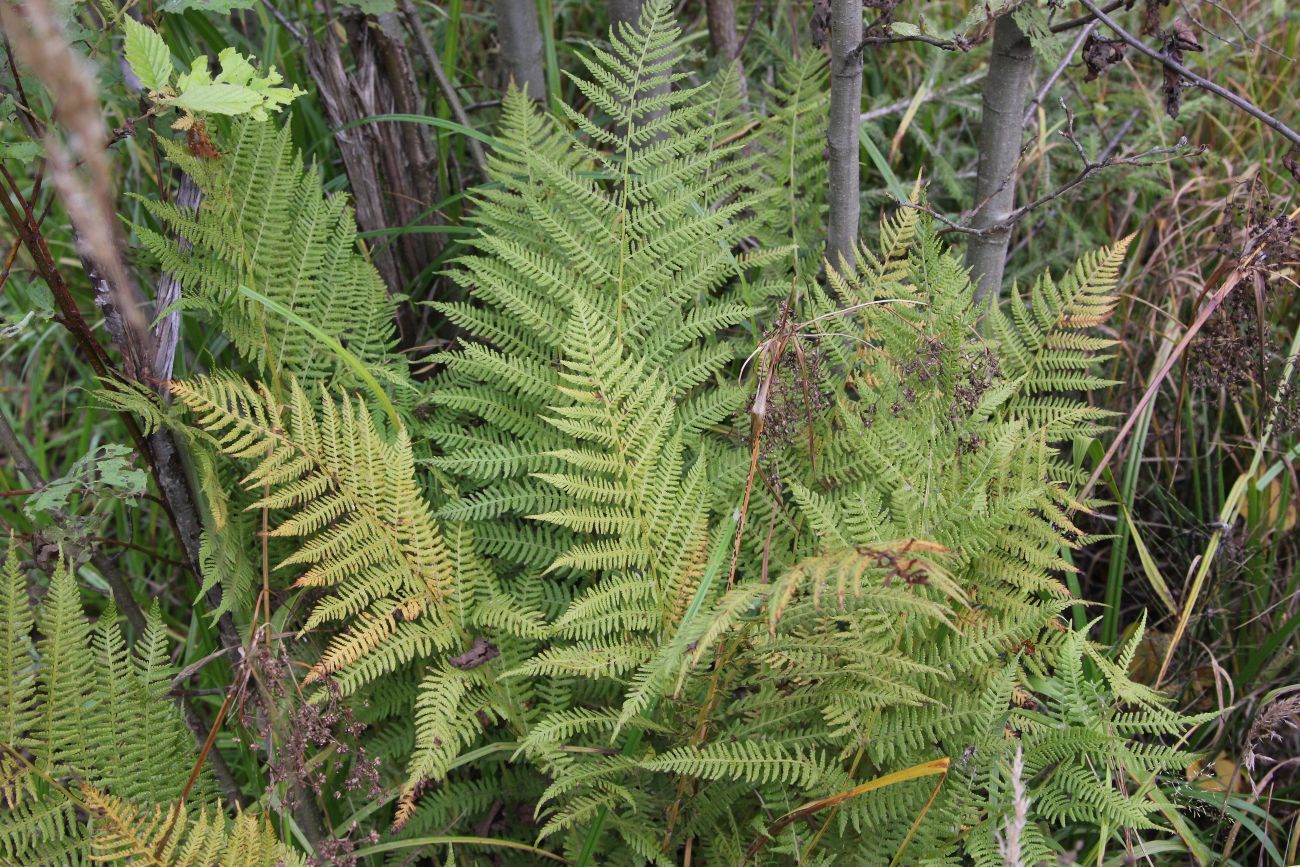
(77,705)
(367,533)
(900,504)
(577,589)
(266,225)
(106,471)
(789,148)
(147,55)
(167,836)
(237,90)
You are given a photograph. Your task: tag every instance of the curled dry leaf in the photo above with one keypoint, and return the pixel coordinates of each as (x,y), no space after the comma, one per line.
(1100,55)
(1291,162)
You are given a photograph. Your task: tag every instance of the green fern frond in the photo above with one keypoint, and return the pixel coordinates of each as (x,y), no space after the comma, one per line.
(79,707)
(169,836)
(266,224)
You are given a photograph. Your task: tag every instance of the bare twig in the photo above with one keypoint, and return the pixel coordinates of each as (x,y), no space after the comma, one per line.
(444,83)
(1200,81)
(904,104)
(289,26)
(1058,71)
(749,28)
(956,43)
(1091,166)
(1072,23)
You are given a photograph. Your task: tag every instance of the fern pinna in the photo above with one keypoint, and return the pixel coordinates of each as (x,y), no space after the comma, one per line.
(681,552)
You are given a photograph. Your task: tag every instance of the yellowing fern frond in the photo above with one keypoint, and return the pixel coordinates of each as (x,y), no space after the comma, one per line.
(345,490)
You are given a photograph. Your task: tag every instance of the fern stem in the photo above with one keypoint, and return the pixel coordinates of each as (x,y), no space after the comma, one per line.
(420,842)
(633,740)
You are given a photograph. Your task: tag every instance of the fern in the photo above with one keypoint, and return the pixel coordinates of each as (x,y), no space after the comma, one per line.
(367,531)
(593,581)
(266,225)
(644,246)
(79,706)
(168,836)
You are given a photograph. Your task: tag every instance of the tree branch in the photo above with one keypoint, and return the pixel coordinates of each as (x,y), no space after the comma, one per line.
(904,104)
(1204,83)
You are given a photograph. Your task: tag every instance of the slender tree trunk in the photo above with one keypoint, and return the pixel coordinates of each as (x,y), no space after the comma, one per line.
(623,12)
(1001,131)
(842,135)
(521,46)
(723,36)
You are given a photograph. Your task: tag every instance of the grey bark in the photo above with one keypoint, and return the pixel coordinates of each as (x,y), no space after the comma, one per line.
(356,146)
(167,331)
(623,12)
(521,46)
(389,167)
(842,135)
(1001,131)
(723,36)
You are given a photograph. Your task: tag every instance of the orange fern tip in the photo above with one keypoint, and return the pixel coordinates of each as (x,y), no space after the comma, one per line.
(406,805)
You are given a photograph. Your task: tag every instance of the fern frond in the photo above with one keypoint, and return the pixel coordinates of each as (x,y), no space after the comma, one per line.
(349,493)
(169,836)
(266,224)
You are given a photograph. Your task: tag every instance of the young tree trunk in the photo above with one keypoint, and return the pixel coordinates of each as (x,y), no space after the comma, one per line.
(1001,130)
(521,46)
(842,135)
(623,12)
(722,34)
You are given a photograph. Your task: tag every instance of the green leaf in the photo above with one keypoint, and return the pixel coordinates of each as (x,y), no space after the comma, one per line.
(105,471)
(215,7)
(146,53)
(372,7)
(23,151)
(217,99)
(236,90)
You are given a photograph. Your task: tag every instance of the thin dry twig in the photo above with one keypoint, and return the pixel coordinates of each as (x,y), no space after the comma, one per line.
(1200,81)
(444,82)
(1152,157)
